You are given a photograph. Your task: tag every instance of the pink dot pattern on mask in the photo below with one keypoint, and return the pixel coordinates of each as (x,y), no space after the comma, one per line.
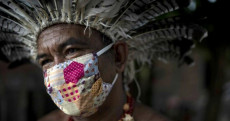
(74,72)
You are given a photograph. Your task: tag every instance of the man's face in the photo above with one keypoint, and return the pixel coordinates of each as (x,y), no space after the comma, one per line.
(62,42)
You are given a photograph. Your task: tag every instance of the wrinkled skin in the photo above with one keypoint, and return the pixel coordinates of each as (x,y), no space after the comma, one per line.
(61,42)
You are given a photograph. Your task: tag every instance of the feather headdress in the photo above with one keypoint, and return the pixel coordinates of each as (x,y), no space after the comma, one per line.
(143,24)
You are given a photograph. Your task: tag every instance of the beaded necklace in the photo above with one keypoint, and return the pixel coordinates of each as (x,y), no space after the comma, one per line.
(128,109)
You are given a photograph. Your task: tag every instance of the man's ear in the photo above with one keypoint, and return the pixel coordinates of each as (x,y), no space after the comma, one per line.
(121,55)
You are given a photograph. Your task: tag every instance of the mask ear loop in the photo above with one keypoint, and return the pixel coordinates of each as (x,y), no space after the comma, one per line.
(115,79)
(104,49)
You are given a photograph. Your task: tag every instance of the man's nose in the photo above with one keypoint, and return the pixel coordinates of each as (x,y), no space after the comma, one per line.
(58,59)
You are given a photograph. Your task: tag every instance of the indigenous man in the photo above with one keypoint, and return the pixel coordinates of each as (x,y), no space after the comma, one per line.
(87,50)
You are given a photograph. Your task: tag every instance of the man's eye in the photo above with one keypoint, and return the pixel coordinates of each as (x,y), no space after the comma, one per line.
(44,62)
(71,51)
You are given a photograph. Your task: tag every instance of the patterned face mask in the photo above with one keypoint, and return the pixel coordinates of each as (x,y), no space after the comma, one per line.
(76,87)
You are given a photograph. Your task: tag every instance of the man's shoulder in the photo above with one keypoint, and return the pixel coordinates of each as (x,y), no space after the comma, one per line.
(56,115)
(145,113)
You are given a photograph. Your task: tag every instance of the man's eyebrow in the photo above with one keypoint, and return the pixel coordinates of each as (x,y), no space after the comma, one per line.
(71,41)
(39,56)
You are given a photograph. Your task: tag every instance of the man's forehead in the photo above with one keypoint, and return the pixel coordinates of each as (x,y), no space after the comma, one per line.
(55,30)
(60,33)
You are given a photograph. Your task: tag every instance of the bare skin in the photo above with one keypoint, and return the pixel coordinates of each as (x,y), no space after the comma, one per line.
(61,42)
